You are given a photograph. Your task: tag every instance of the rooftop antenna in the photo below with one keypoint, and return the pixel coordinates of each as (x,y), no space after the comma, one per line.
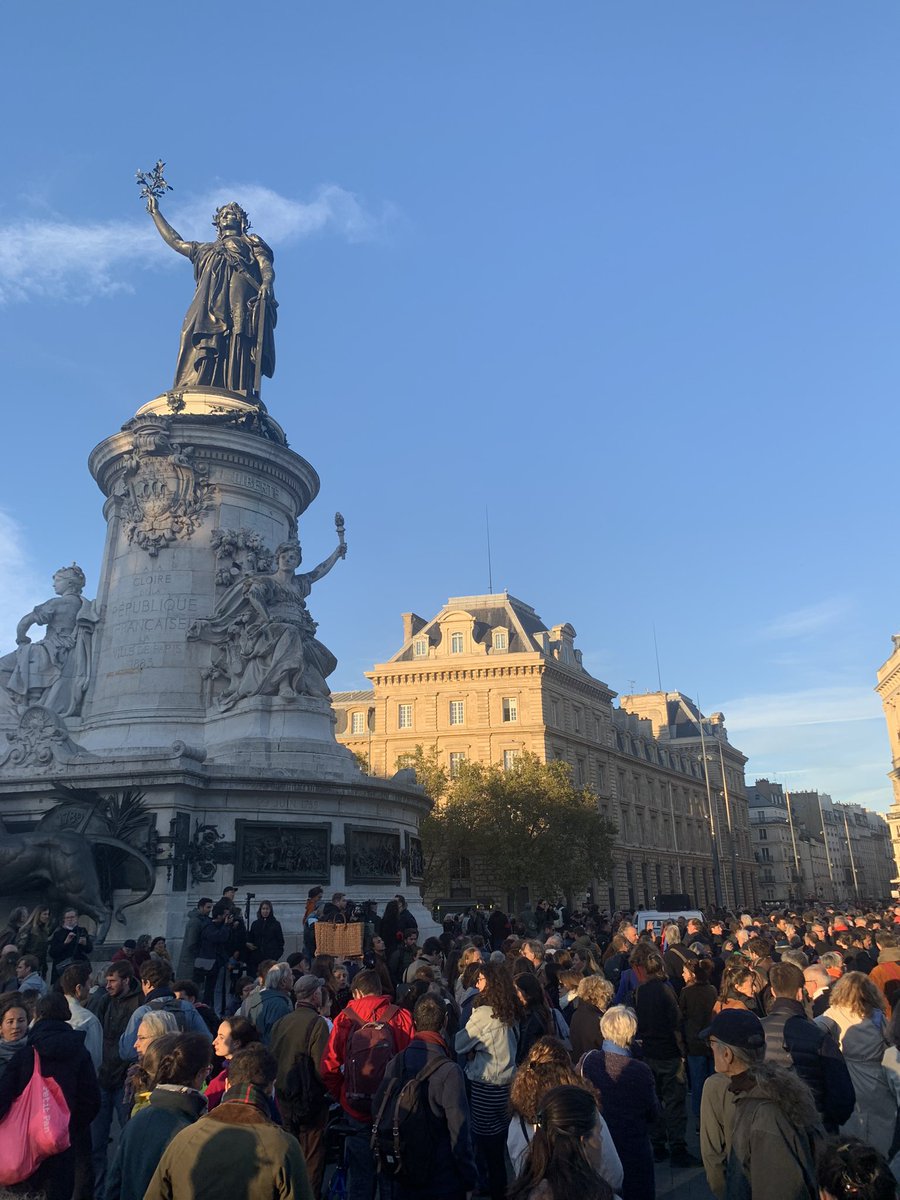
(656,648)
(487,525)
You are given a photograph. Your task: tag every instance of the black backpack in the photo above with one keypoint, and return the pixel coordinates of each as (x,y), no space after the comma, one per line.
(303,1089)
(403,1132)
(169,1004)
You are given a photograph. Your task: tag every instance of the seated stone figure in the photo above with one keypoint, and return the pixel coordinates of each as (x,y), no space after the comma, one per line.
(55,671)
(265,636)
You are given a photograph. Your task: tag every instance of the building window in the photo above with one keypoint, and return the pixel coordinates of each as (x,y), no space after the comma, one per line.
(358,723)
(764,834)
(404,716)
(420,647)
(457,758)
(601,778)
(509,759)
(576,718)
(456,643)
(499,639)
(580,779)
(510,708)
(554,720)
(457,712)
(460,877)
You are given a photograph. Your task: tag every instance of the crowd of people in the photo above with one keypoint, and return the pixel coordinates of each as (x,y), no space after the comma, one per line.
(540,1056)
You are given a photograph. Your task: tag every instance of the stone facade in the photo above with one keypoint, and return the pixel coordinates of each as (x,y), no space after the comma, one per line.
(486,679)
(888,689)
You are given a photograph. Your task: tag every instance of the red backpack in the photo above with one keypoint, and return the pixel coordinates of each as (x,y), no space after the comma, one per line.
(370,1047)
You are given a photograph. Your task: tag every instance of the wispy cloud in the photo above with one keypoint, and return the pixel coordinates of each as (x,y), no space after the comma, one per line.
(832,739)
(813,706)
(20,585)
(50,256)
(803,622)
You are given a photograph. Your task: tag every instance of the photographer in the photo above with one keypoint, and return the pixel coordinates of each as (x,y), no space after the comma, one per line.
(212,951)
(69,944)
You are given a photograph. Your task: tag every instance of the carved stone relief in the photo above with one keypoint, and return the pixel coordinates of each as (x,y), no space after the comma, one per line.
(165,492)
(373,856)
(239,552)
(269,853)
(42,742)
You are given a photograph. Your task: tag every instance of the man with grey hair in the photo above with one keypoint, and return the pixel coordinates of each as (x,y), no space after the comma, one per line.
(817,984)
(276,1000)
(298,1043)
(758,1123)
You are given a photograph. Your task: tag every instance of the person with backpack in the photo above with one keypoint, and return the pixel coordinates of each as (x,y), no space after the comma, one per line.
(364,1038)
(156,984)
(298,1044)
(421,1137)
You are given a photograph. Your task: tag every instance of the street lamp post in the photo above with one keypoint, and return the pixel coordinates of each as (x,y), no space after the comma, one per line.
(714,843)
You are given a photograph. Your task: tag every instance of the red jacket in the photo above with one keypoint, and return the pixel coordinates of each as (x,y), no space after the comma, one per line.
(367,1008)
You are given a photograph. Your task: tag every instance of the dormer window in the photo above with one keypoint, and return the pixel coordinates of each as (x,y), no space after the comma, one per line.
(500,640)
(456,643)
(420,647)
(358,723)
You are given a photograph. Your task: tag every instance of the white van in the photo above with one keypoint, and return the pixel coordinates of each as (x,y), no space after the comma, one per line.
(644,918)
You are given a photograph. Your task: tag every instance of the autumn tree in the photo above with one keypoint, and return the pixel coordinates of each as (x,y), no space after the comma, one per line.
(530,824)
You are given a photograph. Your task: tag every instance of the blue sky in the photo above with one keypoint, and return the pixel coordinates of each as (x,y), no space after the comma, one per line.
(628,275)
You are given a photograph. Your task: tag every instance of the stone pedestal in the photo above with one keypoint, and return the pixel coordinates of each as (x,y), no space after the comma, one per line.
(200,488)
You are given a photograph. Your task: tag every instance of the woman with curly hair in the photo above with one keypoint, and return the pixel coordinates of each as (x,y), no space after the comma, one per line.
(857,1019)
(488,1046)
(548,1066)
(558,1164)
(594,997)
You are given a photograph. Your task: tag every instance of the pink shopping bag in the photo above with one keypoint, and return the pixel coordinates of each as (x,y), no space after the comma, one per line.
(36,1127)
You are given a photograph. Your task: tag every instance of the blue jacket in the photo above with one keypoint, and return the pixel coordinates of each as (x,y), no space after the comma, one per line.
(193,1022)
(146,1136)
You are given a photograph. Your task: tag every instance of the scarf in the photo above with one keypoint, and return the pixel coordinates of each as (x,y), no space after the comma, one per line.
(248,1093)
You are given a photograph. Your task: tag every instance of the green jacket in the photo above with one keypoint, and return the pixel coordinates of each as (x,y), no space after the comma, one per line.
(233,1151)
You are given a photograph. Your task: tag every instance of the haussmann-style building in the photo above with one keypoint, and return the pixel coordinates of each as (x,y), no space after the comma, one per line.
(487,680)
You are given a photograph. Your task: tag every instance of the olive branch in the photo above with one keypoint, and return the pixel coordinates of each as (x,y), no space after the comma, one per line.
(152,182)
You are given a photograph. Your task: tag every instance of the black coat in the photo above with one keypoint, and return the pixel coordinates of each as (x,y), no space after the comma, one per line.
(584,1029)
(451,1149)
(63,953)
(64,1058)
(266,935)
(794,1041)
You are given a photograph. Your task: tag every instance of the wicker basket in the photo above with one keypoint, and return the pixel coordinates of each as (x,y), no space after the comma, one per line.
(343,940)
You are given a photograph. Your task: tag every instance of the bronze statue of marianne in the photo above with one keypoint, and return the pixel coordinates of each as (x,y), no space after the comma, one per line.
(227,340)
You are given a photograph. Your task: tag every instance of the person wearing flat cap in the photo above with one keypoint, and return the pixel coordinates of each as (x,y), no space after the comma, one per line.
(298,1043)
(758,1122)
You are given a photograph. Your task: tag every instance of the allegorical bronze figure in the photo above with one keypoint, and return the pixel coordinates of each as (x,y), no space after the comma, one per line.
(227,340)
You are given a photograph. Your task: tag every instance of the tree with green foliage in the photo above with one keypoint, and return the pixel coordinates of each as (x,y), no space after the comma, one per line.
(530,824)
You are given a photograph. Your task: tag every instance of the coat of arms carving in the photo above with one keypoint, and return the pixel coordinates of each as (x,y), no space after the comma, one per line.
(165,491)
